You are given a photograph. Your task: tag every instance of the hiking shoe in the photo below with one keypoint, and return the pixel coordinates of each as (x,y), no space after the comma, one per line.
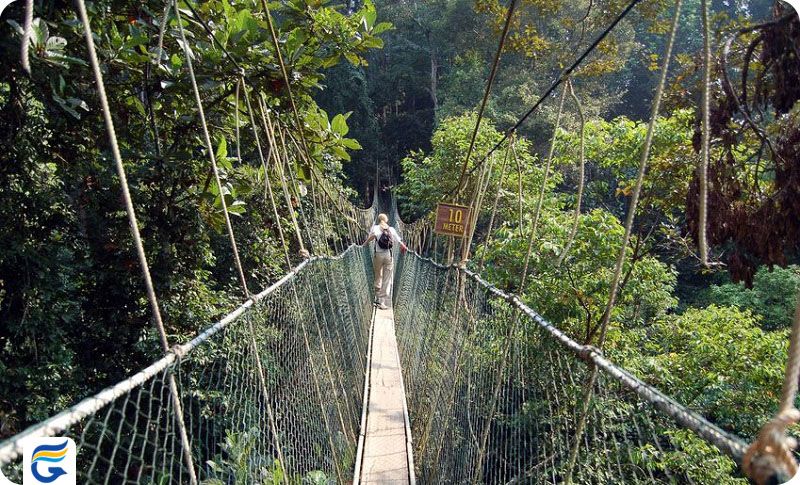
(382,306)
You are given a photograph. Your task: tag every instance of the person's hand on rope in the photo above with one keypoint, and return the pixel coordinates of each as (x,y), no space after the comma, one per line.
(403,248)
(369,239)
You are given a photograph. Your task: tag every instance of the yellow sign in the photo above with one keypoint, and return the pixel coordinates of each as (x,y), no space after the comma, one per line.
(451,219)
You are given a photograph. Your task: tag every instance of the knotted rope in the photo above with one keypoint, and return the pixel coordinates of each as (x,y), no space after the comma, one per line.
(770,459)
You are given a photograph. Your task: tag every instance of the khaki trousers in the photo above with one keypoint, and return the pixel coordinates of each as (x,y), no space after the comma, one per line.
(382,269)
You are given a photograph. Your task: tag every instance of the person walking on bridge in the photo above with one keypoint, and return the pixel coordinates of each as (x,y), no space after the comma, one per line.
(382,262)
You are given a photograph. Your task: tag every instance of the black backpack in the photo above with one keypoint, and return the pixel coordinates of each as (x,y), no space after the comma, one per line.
(385,241)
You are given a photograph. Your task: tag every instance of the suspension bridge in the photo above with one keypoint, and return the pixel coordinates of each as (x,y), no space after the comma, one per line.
(306,382)
(302,383)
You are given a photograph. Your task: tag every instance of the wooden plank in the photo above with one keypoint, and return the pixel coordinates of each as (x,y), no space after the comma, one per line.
(385,459)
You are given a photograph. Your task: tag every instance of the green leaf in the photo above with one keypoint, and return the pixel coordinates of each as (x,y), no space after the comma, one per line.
(339,125)
(353,58)
(382,27)
(222,149)
(373,42)
(351,143)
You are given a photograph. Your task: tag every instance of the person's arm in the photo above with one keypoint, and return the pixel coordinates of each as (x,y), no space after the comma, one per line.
(369,239)
(403,246)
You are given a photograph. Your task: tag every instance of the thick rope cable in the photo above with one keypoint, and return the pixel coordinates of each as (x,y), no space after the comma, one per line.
(137,239)
(120,168)
(26,36)
(489,84)
(162,28)
(581,175)
(211,155)
(589,387)
(770,459)
(561,78)
(702,170)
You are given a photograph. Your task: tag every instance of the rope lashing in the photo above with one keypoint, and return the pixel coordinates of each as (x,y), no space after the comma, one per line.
(770,459)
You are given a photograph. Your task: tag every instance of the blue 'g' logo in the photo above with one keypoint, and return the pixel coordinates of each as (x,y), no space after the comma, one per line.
(48,454)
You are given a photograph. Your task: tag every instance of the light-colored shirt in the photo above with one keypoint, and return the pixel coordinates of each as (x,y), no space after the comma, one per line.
(378,232)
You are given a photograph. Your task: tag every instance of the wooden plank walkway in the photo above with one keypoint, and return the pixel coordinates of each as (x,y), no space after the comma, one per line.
(386,457)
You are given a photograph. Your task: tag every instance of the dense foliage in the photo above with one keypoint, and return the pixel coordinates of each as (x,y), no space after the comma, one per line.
(71,295)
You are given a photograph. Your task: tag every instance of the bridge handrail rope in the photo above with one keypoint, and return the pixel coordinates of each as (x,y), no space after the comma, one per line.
(732,445)
(12,448)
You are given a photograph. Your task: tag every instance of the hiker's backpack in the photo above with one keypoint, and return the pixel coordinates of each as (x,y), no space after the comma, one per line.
(385,241)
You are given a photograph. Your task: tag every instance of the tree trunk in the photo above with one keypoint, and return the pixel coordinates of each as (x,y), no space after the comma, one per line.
(434,77)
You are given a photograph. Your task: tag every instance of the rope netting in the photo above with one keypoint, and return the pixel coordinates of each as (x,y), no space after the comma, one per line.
(310,331)
(494,393)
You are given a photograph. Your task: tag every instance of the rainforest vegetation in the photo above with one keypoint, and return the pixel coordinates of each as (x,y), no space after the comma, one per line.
(388,93)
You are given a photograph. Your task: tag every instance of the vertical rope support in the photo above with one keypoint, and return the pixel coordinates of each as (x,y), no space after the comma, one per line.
(276,45)
(475,208)
(276,157)
(295,187)
(489,84)
(490,228)
(26,37)
(259,366)
(137,239)
(267,182)
(210,148)
(498,384)
(581,175)
(520,173)
(589,387)
(702,170)
(648,143)
(549,163)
